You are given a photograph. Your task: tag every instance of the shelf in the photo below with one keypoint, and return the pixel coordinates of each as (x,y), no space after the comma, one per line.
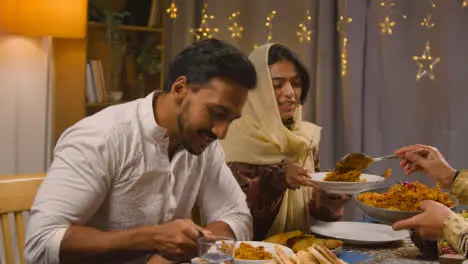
(92,24)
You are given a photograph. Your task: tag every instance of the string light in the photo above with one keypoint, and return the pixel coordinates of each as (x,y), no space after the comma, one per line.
(464,3)
(269,25)
(426,63)
(343,22)
(342,27)
(235,28)
(387,24)
(304,31)
(172,10)
(344,57)
(204,31)
(427,22)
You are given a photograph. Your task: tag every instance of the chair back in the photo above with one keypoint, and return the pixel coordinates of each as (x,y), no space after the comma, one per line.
(17,193)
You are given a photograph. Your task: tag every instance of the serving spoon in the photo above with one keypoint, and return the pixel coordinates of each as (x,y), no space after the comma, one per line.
(360,161)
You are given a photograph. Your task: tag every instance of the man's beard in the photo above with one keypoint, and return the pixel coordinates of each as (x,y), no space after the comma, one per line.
(183,139)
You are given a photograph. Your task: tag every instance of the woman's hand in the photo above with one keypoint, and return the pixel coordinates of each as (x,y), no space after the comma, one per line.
(434,164)
(297,176)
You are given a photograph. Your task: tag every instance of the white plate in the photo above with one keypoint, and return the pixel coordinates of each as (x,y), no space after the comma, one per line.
(346,187)
(270,247)
(357,233)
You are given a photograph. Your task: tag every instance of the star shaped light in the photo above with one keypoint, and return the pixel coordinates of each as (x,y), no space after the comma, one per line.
(304,32)
(172,10)
(426,63)
(235,29)
(427,22)
(204,31)
(387,25)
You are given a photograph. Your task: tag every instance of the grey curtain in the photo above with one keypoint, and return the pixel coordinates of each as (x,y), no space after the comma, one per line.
(378,106)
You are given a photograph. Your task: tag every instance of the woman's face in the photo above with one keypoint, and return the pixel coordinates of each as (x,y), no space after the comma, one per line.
(288,88)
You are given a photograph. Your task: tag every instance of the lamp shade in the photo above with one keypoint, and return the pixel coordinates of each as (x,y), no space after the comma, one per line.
(56,18)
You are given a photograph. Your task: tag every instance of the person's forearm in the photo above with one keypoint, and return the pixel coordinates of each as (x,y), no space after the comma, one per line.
(458,187)
(220,228)
(90,242)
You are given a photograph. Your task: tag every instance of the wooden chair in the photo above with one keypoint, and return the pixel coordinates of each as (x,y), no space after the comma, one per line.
(17,194)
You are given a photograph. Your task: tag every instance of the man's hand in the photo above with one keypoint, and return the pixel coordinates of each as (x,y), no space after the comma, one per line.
(176,240)
(297,176)
(430,223)
(434,164)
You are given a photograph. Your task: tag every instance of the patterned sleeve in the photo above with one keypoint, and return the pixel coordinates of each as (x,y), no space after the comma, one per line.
(456,233)
(263,185)
(459,187)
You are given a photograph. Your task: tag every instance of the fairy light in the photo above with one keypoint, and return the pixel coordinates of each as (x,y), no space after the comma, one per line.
(235,28)
(464,3)
(304,31)
(204,31)
(342,27)
(387,25)
(426,62)
(344,57)
(427,22)
(172,10)
(269,25)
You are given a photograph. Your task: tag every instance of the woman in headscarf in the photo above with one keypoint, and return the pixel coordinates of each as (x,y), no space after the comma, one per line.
(271,151)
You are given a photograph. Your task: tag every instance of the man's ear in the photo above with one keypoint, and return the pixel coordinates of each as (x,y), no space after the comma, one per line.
(180,89)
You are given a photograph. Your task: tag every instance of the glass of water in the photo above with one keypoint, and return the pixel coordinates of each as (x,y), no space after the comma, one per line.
(216,249)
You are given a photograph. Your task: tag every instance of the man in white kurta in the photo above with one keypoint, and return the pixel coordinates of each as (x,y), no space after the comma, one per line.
(111,171)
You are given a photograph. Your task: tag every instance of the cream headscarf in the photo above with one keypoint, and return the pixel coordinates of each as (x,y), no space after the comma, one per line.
(260,137)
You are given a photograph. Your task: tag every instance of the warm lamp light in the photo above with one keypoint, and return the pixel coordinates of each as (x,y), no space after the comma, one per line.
(56,18)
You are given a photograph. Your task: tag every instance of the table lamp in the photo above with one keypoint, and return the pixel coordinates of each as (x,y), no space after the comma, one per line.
(38,18)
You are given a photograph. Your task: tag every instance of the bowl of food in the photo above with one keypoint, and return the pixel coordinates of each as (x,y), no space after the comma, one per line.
(350,182)
(401,201)
(257,252)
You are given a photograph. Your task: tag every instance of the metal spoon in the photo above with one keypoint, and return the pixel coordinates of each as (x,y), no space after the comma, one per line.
(360,161)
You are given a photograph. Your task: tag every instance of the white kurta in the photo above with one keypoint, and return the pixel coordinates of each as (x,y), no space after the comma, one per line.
(111,171)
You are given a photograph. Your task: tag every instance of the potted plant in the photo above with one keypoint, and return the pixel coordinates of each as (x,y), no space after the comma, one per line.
(148,61)
(117,40)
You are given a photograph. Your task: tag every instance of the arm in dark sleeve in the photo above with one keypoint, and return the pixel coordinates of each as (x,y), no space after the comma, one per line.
(263,185)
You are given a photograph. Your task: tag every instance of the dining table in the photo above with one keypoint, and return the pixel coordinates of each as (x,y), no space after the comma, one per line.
(401,252)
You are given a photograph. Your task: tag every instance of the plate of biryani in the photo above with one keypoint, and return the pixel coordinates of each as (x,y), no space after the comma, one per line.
(350,182)
(252,252)
(400,201)
(293,247)
(257,252)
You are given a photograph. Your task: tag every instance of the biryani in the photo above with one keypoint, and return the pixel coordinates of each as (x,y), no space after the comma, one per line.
(248,252)
(348,176)
(406,197)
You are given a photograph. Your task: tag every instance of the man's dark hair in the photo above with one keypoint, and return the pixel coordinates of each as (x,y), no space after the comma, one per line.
(278,53)
(206,59)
